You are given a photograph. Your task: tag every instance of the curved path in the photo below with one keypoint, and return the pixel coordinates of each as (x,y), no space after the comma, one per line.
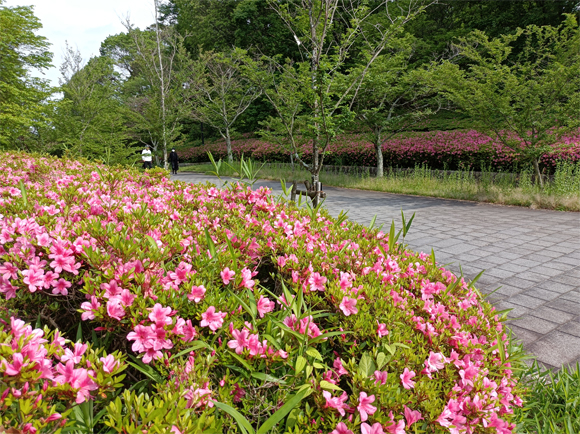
(533,256)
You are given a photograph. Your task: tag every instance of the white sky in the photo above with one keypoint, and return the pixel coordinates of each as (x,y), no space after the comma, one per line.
(84,23)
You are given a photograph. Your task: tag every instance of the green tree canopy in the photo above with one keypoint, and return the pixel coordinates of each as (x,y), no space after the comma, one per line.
(21,94)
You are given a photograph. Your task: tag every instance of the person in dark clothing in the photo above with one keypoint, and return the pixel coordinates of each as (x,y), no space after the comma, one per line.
(174,161)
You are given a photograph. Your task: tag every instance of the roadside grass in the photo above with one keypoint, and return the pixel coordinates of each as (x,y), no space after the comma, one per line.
(552,402)
(562,193)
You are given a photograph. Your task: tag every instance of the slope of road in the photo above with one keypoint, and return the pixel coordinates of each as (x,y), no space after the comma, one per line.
(532,256)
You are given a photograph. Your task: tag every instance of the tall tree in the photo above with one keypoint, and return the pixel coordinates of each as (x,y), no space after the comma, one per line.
(91,120)
(331,35)
(395,97)
(21,95)
(219,90)
(160,53)
(526,100)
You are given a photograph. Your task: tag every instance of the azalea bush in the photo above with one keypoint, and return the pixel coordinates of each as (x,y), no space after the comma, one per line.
(235,312)
(457,149)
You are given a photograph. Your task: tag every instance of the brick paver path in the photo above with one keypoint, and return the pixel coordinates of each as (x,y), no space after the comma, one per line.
(533,255)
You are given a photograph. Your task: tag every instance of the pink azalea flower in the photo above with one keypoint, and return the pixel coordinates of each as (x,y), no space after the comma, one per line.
(240,341)
(264,306)
(34,278)
(227,275)
(341,428)
(160,315)
(109,363)
(79,350)
(189,331)
(316,282)
(16,366)
(114,309)
(364,406)
(175,430)
(197,293)
(381,377)
(337,402)
(247,281)
(348,306)
(338,367)
(141,336)
(61,287)
(412,416)
(212,319)
(382,329)
(406,379)
(377,428)
(396,427)
(90,308)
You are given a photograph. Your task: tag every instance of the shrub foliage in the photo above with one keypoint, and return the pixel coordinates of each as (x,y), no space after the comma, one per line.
(233,311)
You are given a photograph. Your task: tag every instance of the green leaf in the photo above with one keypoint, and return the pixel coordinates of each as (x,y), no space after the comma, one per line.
(327,385)
(314,353)
(243,423)
(366,366)
(300,364)
(381,360)
(210,244)
(148,371)
(242,361)
(372,224)
(23,192)
(79,333)
(152,242)
(283,411)
(327,335)
(196,345)
(266,377)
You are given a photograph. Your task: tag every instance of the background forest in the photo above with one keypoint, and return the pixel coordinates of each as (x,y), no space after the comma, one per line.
(209,69)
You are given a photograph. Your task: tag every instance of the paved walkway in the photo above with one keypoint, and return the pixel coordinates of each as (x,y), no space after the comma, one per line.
(532,255)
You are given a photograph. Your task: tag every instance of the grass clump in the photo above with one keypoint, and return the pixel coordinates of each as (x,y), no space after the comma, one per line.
(552,404)
(561,192)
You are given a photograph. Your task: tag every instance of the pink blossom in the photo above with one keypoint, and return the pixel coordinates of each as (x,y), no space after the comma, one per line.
(396,427)
(264,306)
(381,377)
(16,366)
(348,306)
(160,315)
(412,416)
(247,281)
(61,287)
(382,329)
(377,428)
(240,341)
(337,364)
(406,379)
(341,428)
(115,309)
(90,308)
(316,282)
(34,278)
(142,335)
(212,319)
(335,402)
(197,293)
(79,350)
(227,275)
(364,405)
(109,363)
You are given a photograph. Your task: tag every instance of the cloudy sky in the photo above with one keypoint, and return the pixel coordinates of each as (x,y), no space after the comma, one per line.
(84,23)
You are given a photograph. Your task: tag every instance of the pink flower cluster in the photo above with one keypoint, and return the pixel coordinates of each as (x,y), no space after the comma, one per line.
(162,264)
(44,371)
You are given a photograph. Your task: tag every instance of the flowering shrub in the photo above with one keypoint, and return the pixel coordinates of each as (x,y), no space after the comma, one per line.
(439,149)
(241,312)
(42,377)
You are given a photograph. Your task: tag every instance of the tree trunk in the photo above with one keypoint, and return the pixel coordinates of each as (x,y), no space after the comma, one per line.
(229,146)
(538,173)
(379,149)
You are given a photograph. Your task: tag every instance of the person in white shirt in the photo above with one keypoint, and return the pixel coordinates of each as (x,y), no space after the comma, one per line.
(147,158)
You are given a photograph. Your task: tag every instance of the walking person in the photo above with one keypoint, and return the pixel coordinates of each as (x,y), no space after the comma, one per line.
(174,161)
(147,158)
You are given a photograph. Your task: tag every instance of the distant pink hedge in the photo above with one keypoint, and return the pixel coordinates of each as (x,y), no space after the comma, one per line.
(453,149)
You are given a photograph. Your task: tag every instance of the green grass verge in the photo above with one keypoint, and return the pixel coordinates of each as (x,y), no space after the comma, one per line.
(563,193)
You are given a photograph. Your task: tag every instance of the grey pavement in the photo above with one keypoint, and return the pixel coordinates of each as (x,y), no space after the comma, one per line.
(532,256)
